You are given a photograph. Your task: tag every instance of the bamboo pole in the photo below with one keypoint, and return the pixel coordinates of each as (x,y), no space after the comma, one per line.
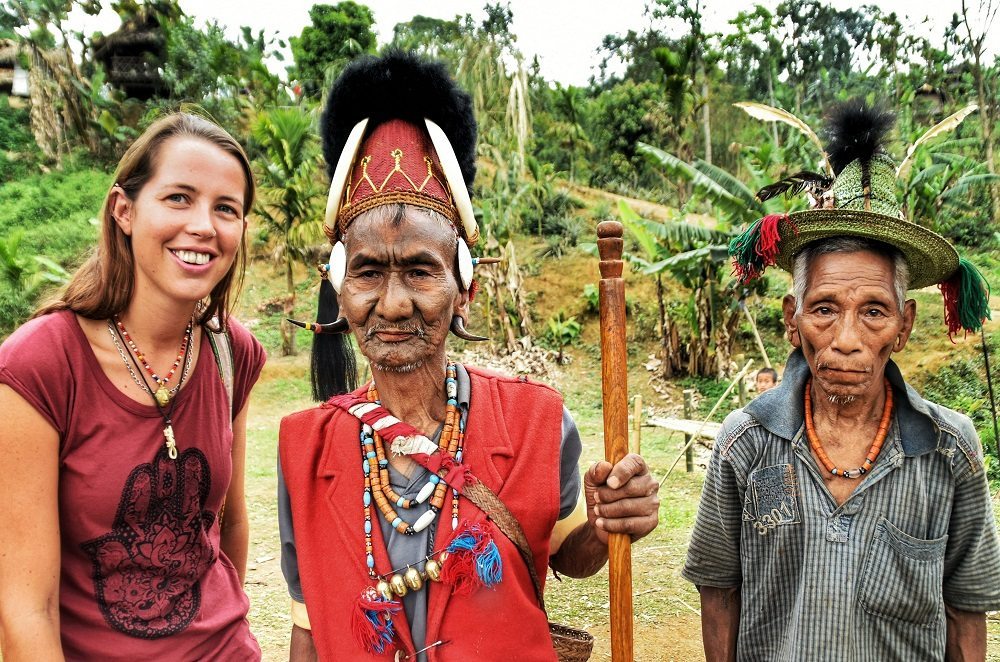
(614,387)
(636,424)
(688,412)
(756,334)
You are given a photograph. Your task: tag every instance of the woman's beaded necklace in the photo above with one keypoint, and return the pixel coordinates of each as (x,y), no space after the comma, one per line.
(873,452)
(141,381)
(165,412)
(163,393)
(378,489)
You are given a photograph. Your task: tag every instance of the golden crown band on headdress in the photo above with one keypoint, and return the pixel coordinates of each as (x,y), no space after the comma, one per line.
(399,162)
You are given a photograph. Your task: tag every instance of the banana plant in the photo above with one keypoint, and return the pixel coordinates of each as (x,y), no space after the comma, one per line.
(692,256)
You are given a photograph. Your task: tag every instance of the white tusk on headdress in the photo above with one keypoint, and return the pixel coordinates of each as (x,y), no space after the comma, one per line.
(464,264)
(456,182)
(340,175)
(338,266)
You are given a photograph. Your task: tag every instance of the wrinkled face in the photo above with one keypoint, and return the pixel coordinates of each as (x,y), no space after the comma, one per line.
(850,323)
(186,222)
(765,382)
(400,291)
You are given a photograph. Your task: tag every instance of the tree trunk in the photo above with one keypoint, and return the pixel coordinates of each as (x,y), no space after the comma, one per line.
(986,118)
(976,48)
(706,116)
(774,102)
(287,332)
(668,350)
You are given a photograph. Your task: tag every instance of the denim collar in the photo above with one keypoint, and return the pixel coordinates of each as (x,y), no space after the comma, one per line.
(781,410)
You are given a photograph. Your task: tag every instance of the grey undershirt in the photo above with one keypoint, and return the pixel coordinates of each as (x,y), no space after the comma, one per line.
(403,549)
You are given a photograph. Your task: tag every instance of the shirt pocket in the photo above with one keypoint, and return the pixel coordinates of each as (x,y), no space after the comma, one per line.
(902,577)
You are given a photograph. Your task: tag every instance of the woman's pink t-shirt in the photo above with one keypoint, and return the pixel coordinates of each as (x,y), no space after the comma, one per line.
(142,573)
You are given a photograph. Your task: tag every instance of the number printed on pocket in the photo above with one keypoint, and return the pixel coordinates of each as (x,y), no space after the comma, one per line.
(771,498)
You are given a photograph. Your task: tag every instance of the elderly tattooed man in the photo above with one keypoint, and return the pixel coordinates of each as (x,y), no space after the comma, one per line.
(418,511)
(844,517)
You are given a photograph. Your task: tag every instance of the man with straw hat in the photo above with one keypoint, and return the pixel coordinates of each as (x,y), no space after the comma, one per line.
(420,512)
(844,516)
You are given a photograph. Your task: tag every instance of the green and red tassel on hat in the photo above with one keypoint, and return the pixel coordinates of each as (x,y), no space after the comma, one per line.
(966,299)
(757,248)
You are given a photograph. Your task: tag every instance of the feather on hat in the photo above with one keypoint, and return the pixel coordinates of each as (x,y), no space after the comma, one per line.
(861,201)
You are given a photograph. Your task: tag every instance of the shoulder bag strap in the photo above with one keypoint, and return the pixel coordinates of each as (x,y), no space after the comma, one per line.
(222,348)
(486,500)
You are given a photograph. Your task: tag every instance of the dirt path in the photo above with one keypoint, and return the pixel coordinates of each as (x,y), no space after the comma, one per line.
(670,639)
(645,208)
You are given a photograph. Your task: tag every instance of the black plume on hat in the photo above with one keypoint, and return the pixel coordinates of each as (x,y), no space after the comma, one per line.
(399,85)
(855,131)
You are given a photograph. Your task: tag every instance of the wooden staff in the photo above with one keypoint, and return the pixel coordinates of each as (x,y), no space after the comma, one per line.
(614,387)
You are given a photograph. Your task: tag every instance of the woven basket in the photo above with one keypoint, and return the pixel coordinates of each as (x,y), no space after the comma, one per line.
(571,644)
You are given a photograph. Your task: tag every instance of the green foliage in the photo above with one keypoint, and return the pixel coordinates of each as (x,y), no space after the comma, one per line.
(561,233)
(23,278)
(197,59)
(560,332)
(623,117)
(29,273)
(592,299)
(714,185)
(288,190)
(434,37)
(961,385)
(55,212)
(337,34)
(947,191)
(45,227)
(15,127)
(17,146)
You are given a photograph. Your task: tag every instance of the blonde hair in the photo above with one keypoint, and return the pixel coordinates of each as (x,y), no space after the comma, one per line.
(104,283)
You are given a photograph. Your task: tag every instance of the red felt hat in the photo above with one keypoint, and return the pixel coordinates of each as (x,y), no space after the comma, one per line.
(396,163)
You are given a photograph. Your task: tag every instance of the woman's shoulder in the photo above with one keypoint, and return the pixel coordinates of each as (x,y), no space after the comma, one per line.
(37,338)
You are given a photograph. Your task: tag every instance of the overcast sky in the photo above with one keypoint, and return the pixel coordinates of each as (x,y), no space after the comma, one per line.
(565,34)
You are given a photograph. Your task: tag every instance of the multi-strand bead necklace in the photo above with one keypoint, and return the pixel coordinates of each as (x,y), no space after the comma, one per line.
(163,393)
(163,397)
(873,451)
(378,489)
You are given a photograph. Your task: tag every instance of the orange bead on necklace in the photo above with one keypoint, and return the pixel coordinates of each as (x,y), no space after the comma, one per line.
(876,447)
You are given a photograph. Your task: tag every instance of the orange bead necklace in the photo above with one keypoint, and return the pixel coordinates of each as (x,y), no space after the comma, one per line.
(876,447)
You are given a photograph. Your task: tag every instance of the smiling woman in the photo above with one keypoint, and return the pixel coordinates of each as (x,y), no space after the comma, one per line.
(126,436)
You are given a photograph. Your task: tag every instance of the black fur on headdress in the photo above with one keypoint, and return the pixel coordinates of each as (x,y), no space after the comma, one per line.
(399,85)
(855,131)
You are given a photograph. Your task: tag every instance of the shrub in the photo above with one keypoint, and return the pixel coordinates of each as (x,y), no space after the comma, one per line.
(562,331)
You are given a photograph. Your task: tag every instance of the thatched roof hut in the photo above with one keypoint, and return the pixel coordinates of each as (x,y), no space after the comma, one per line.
(132,56)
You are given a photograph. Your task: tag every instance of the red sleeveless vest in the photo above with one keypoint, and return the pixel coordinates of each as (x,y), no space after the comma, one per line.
(512,441)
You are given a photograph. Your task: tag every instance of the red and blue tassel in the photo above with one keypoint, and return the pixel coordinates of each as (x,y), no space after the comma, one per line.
(473,560)
(966,299)
(371,621)
(757,247)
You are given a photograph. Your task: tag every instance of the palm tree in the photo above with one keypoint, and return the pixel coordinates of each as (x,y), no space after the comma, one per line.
(288,191)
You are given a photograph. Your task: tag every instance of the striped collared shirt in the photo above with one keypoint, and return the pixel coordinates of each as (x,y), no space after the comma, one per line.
(866,580)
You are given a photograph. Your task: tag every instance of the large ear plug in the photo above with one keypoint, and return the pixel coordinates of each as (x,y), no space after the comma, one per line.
(338,266)
(458,328)
(464,264)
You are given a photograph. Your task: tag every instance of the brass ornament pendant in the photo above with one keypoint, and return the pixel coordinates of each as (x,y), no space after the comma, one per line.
(162,396)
